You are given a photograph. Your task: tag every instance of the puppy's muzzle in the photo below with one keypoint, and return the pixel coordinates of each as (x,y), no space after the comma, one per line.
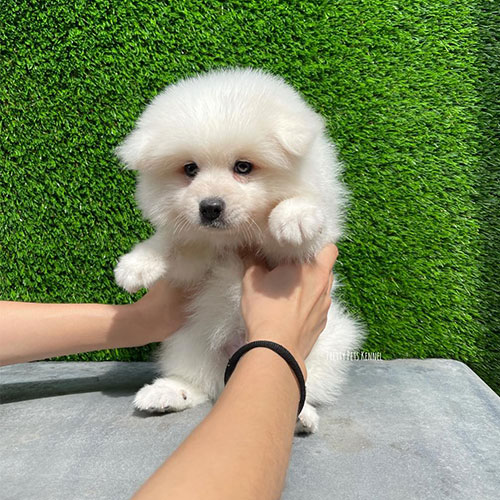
(211,210)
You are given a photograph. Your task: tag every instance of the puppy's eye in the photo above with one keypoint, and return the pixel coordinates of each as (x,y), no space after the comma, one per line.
(191,169)
(243,167)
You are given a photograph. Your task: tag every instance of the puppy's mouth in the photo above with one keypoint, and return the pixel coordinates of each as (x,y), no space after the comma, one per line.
(216,224)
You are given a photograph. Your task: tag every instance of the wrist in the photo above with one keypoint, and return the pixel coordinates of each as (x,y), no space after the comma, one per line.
(283,339)
(269,365)
(128,328)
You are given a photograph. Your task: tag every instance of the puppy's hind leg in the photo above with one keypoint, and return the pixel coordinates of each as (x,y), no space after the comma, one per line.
(168,395)
(308,420)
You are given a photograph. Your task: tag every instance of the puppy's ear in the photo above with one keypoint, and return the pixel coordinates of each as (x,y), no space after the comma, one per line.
(133,150)
(296,133)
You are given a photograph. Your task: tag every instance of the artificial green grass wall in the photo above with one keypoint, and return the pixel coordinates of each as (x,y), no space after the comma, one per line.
(406,87)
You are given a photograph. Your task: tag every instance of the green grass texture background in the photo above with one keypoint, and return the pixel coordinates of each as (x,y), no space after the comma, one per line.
(409,89)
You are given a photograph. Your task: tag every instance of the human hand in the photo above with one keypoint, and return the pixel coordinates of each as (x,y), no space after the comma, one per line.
(288,304)
(160,312)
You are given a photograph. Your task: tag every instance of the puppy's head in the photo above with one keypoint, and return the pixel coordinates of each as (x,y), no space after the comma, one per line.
(217,152)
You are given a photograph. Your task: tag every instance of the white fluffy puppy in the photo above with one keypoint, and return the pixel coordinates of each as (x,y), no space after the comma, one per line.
(230,159)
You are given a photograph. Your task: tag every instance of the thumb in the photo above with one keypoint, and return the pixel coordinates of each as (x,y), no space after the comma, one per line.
(255,269)
(250,259)
(327,256)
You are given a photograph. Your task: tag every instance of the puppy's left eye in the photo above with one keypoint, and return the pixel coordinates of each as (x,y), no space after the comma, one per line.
(191,169)
(243,167)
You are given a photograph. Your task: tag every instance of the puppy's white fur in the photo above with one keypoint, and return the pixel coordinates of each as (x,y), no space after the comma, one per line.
(287,208)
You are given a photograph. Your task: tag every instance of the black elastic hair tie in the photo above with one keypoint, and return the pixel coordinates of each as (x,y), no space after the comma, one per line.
(278,349)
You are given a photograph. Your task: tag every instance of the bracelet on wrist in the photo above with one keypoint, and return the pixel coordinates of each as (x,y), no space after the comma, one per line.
(278,349)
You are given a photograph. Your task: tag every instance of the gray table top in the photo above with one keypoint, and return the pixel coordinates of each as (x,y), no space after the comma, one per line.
(402,429)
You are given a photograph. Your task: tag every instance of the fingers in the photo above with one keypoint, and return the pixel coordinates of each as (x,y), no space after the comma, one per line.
(256,267)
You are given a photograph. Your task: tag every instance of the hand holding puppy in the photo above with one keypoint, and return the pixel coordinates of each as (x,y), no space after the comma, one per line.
(288,304)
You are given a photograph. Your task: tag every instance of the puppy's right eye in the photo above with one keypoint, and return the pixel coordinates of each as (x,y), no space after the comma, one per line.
(191,169)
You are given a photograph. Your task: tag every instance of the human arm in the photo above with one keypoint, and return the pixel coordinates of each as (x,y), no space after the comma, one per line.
(241,450)
(30,331)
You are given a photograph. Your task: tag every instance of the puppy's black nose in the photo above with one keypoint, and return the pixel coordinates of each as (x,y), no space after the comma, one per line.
(211,209)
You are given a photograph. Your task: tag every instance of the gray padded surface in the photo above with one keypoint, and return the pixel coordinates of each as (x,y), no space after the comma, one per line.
(403,429)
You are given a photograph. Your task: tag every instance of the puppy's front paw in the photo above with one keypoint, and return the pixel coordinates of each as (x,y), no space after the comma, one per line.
(168,395)
(295,221)
(138,269)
